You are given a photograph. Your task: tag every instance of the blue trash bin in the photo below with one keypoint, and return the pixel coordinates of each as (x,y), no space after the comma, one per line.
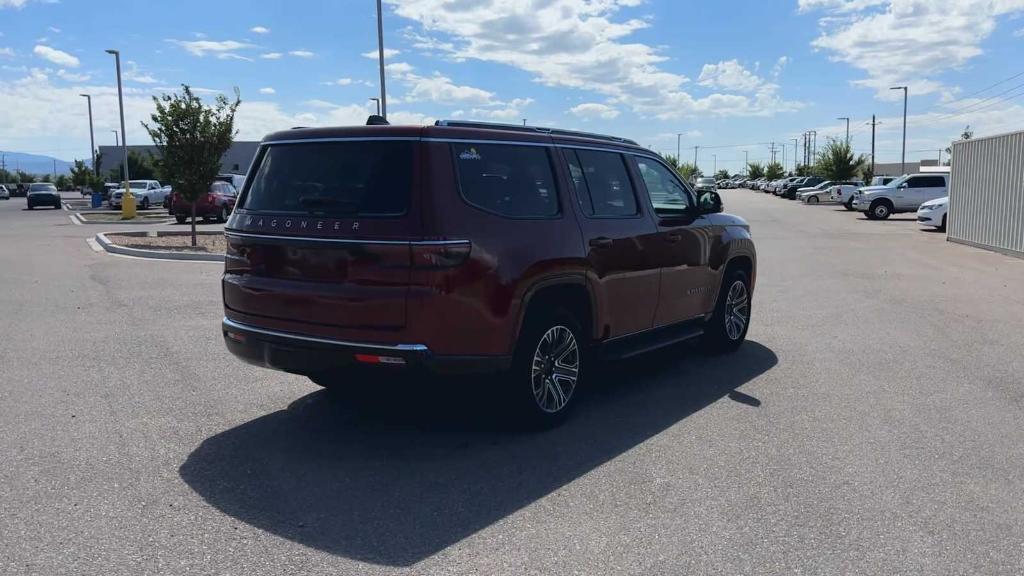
(97,200)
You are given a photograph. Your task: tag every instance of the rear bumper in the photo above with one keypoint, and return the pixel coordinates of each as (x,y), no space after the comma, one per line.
(310,355)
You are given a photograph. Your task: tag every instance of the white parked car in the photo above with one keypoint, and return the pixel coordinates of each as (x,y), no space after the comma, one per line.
(813,194)
(843,193)
(933,212)
(904,194)
(4,194)
(147,193)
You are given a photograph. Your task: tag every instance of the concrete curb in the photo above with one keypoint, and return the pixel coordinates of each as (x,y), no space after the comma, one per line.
(113,248)
(78,216)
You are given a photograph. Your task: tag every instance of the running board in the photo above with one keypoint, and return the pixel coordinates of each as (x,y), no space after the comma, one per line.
(643,342)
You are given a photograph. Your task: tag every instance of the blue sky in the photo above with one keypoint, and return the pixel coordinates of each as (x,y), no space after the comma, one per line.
(730,76)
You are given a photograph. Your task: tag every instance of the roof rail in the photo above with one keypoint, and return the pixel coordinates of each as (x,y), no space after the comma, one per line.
(534,129)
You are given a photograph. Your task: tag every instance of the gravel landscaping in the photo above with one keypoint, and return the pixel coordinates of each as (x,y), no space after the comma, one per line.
(142,217)
(205,243)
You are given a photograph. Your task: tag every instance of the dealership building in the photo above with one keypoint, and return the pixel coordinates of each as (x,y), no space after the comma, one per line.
(235,161)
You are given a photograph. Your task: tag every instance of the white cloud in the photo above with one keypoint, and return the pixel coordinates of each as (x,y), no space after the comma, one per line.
(729,75)
(341,82)
(267,90)
(594,110)
(572,44)
(442,90)
(132,73)
(58,57)
(233,56)
(203,47)
(72,76)
(302,53)
(388,53)
(12,3)
(398,69)
(271,55)
(53,29)
(8,52)
(259,30)
(1019,33)
(910,42)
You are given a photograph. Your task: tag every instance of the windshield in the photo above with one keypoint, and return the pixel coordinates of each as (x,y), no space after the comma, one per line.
(42,188)
(339,178)
(138,184)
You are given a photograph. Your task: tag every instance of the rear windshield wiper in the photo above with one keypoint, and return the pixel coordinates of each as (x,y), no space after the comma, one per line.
(322,204)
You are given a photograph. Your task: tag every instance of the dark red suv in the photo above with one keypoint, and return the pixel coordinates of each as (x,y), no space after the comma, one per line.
(217,204)
(476,247)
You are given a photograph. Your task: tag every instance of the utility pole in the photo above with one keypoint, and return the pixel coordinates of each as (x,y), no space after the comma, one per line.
(380,59)
(715,160)
(873,124)
(814,145)
(55,170)
(117,143)
(773,151)
(679,150)
(796,154)
(903,157)
(128,200)
(695,157)
(746,162)
(847,128)
(92,140)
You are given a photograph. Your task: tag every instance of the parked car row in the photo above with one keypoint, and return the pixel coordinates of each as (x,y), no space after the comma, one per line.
(926,194)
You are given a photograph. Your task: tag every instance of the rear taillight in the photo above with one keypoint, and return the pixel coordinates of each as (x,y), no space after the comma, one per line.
(440,255)
(210,198)
(240,258)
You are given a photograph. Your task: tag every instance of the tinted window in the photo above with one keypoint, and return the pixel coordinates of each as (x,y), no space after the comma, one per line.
(607,182)
(926,182)
(579,182)
(514,181)
(333,178)
(662,186)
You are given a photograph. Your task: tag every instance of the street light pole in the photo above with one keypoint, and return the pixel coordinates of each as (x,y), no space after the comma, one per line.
(715,160)
(380,58)
(903,158)
(796,155)
(746,162)
(847,128)
(679,150)
(117,143)
(377,100)
(92,139)
(873,124)
(127,200)
(695,159)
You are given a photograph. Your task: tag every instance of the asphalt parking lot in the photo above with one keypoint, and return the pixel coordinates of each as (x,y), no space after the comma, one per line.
(870,425)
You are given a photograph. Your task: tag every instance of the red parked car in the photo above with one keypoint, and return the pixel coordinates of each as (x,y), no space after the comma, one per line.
(476,247)
(217,204)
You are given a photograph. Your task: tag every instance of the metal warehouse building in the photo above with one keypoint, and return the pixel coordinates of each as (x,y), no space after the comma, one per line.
(986,193)
(235,161)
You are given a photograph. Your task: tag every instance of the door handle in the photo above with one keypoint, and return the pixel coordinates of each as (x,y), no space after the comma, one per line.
(601,242)
(673,237)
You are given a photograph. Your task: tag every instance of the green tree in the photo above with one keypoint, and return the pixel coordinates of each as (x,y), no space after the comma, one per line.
(836,161)
(805,170)
(867,173)
(46,178)
(192,138)
(672,161)
(140,167)
(5,176)
(774,171)
(25,177)
(755,170)
(62,182)
(722,175)
(81,175)
(689,172)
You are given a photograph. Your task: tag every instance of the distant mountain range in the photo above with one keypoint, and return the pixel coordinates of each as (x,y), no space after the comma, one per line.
(35,163)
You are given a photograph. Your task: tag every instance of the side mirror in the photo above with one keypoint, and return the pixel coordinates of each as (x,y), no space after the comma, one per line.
(710,203)
(904,186)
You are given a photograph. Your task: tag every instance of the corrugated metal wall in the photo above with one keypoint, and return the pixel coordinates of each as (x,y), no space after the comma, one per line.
(986,193)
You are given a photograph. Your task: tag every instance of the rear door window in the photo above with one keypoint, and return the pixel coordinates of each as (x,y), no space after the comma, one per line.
(356,178)
(609,190)
(509,180)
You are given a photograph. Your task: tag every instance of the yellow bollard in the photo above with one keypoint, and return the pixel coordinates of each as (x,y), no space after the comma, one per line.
(127,203)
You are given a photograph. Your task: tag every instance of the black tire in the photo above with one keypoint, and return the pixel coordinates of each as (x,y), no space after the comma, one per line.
(30,206)
(942,227)
(57,205)
(721,333)
(849,204)
(222,215)
(812,199)
(880,210)
(539,399)
(145,204)
(180,218)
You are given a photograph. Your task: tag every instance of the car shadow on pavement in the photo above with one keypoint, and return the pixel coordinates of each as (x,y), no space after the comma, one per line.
(400,476)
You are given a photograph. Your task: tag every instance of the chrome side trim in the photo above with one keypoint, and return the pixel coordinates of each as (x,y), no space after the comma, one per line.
(348,240)
(338,139)
(394,347)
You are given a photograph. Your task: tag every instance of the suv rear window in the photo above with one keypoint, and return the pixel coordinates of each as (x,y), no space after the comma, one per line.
(602,183)
(513,181)
(364,178)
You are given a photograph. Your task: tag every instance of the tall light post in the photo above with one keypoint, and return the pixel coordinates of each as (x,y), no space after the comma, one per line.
(117,142)
(746,162)
(903,158)
(715,160)
(847,128)
(380,59)
(796,153)
(873,123)
(92,139)
(377,100)
(679,150)
(127,200)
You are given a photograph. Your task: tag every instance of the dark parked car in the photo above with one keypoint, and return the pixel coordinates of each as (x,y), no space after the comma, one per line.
(789,189)
(43,194)
(217,204)
(471,247)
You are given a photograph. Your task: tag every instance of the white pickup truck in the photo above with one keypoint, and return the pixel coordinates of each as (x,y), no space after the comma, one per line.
(147,193)
(904,194)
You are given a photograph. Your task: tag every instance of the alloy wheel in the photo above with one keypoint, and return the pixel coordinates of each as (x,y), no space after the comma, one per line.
(737,310)
(555,369)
